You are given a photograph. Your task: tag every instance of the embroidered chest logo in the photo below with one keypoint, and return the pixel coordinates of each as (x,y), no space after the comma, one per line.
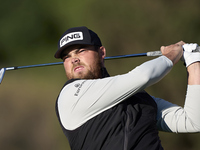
(79,86)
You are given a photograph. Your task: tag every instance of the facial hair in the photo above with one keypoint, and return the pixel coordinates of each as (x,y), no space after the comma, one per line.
(93,72)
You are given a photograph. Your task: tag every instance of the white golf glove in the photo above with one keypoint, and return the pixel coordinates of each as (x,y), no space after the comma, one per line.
(190,57)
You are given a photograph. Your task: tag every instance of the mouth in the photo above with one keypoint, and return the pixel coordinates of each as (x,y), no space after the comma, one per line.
(78,68)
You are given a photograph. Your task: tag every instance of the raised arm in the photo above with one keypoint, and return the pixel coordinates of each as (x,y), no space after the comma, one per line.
(174,118)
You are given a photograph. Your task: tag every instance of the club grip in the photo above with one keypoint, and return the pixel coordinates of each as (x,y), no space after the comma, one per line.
(154,53)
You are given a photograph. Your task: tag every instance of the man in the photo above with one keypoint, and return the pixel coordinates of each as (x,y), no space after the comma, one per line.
(97,111)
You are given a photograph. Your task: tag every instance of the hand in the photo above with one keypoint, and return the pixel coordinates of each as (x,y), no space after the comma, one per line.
(174,52)
(188,56)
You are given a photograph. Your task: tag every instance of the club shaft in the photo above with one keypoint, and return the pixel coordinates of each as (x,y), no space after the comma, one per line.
(125,56)
(58,63)
(31,66)
(151,53)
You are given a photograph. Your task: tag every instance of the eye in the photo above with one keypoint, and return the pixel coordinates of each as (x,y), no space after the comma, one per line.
(81,50)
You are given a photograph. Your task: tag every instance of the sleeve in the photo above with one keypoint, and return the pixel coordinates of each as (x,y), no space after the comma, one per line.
(83,99)
(173,118)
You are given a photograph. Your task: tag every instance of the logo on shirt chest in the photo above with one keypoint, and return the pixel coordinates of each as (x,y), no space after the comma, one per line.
(78,86)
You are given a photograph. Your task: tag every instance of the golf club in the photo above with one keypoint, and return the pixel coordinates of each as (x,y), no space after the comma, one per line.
(151,53)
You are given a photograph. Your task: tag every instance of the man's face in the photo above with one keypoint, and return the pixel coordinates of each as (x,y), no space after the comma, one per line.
(83,62)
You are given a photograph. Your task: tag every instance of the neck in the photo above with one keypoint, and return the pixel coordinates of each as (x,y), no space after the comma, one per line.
(104,72)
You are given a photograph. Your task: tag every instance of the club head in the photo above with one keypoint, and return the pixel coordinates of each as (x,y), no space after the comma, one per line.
(2,72)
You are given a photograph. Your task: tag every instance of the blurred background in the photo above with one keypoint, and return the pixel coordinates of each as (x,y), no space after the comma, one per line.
(29,32)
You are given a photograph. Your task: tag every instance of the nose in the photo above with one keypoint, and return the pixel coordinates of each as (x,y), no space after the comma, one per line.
(75,60)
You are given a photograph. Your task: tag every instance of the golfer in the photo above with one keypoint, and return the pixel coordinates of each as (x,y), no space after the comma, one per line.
(99,112)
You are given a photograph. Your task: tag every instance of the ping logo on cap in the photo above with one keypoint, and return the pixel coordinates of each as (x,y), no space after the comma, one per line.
(70,37)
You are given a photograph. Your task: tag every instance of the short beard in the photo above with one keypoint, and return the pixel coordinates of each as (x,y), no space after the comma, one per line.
(95,73)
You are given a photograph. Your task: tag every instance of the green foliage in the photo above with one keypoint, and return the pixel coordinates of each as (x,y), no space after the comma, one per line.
(30,30)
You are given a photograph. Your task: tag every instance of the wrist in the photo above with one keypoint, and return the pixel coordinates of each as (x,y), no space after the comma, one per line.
(194,73)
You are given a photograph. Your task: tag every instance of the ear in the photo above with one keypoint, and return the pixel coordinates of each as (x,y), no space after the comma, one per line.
(102,52)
